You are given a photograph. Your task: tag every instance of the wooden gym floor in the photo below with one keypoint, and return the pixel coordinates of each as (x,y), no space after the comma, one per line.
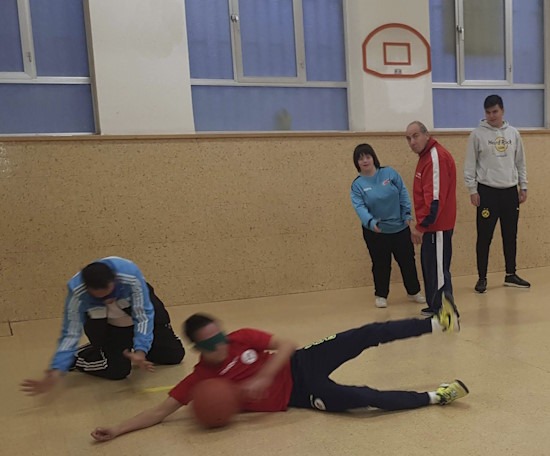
(501,354)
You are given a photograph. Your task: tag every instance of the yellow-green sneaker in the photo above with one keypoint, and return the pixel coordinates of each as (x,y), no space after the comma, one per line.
(448,316)
(449,392)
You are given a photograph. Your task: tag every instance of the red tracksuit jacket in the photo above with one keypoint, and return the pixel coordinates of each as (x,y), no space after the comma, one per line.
(434,189)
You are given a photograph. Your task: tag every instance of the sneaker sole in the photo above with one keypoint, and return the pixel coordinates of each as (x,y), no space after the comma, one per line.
(506,284)
(463,386)
(480,292)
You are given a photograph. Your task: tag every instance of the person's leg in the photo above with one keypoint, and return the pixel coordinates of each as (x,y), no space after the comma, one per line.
(96,330)
(324,356)
(167,347)
(380,253)
(428,258)
(441,268)
(487,214)
(332,397)
(105,359)
(509,216)
(447,256)
(161,314)
(312,365)
(403,252)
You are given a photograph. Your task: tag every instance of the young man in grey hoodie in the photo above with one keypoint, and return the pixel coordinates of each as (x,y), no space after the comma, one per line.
(493,170)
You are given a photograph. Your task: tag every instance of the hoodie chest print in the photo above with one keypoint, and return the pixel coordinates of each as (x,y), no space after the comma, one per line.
(500,145)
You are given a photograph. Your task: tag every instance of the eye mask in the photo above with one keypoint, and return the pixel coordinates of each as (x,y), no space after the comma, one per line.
(211,343)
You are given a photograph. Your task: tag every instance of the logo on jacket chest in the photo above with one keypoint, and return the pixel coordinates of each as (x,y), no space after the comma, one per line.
(384,183)
(500,143)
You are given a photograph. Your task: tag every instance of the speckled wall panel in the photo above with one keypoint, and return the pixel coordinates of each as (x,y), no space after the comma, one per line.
(211,219)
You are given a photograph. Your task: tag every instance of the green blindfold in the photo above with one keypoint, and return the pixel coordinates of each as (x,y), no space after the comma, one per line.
(211,343)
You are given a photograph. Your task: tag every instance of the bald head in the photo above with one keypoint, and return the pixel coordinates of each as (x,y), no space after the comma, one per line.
(417,136)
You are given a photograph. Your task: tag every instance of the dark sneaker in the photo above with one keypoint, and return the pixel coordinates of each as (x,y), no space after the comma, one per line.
(481,286)
(513,280)
(428,312)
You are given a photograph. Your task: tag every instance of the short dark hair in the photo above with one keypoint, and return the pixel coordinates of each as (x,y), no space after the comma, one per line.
(194,323)
(493,100)
(365,149)
(97,276)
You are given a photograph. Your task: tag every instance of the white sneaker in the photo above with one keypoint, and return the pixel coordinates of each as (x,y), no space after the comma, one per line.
(380,302)
(418,297)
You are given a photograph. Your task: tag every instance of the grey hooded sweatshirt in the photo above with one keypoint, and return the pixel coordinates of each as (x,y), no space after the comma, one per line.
(495,158)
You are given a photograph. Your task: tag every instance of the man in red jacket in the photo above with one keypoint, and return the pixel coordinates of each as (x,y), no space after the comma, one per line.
(434,196)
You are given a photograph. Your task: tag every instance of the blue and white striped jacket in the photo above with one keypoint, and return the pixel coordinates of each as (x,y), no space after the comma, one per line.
(131,293)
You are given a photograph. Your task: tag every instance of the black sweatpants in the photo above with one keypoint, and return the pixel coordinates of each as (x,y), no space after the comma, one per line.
(312,365)
(435,256)
(381,248)
(103,356)
(495,204)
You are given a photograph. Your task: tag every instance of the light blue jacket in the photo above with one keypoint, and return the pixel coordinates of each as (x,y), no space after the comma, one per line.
(131,293)
(382,200)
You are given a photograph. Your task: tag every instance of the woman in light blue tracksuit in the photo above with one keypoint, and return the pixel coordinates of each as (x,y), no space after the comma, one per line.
(382,203)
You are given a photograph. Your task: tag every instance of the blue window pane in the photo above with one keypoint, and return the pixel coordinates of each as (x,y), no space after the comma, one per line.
(528,41)
(209,39)
(59,38)
(11,58)
(443,40)
(324,40)
(464,108)
(44,108)
(267,38)
(269,108)
(484,40)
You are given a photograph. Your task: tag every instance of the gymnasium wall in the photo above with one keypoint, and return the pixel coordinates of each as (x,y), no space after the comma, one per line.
(211,218)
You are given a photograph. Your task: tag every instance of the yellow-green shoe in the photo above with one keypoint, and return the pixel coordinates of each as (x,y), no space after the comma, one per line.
(448,315)
(449,392)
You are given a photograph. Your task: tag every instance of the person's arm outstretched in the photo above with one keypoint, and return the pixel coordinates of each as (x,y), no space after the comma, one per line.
(34,387)
(64,356)
(143,420)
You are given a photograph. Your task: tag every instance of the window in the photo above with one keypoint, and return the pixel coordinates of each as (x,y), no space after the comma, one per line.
(260,66)
(44,82)
(268,42)
(485,47)
(16,52)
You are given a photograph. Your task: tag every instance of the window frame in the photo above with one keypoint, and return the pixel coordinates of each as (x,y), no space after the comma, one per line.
(460,51)
(239,80)
(27,46)
(507,83)
(29,74)
(299,48)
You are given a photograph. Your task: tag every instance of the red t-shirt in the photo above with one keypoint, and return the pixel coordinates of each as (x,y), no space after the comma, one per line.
(247,355)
